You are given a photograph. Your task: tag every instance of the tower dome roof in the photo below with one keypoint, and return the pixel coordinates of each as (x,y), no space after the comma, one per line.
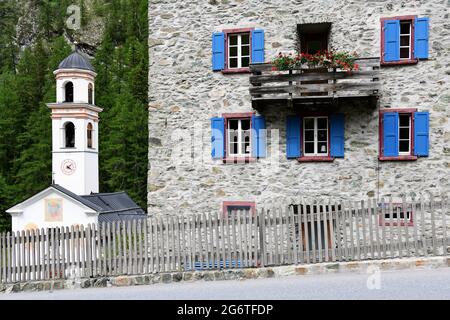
(76,61)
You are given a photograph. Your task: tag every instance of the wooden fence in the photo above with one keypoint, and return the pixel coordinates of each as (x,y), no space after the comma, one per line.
(300,233)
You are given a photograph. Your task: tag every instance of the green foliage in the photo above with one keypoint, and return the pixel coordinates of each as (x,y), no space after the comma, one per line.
(122,86)
(27,84)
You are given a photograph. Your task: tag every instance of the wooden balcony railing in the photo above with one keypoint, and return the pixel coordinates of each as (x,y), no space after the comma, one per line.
(304,84)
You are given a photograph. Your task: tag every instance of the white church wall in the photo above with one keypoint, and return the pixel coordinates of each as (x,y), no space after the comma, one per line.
(52,210)
(80,89)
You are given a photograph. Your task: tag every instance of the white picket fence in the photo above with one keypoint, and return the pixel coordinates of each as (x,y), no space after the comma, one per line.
(298,234)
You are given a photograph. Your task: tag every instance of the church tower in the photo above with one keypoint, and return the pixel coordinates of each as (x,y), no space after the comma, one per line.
(75,126)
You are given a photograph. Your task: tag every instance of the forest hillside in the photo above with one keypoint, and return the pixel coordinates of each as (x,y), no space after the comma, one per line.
(35,35)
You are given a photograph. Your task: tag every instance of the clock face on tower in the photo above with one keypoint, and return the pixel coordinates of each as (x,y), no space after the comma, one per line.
(68,167)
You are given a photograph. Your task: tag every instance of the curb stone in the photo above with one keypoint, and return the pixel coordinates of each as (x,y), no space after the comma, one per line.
(230,274)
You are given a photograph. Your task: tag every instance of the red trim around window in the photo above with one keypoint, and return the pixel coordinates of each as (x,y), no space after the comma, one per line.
(315,159)
(400,62)
(237,115)
(307,158)
(382,219)
(234,31)
(381,157)
(238,159)
(250,204)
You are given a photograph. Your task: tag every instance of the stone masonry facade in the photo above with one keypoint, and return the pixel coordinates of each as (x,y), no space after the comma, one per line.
(185,93)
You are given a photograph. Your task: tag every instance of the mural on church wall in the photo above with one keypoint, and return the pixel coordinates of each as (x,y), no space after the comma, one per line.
(53,210)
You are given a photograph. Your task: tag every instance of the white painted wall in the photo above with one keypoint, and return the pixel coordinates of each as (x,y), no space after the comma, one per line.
(80,89)
(85,179)
(34,213)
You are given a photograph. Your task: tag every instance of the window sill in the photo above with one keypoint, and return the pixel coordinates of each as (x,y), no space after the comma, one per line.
(229,160)
(399,158)
(401,62)
(237,70)
(315,159)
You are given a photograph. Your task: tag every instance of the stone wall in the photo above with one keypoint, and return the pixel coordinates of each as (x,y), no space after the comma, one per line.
(185,94)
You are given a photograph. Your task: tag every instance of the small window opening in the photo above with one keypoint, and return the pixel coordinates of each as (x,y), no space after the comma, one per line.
(69,130)
(69,92)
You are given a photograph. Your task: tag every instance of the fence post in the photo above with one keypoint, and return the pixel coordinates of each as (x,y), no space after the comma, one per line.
(210,241)
(262,241)
(444,208)
(134,234)
(423,236)
(299,224)
(3,259)
(305,228)
(325,231)
(377,227)
(184,251)
(140,236)
(406,226)
(414,221)
(363,220)
(433,224)
(370,215)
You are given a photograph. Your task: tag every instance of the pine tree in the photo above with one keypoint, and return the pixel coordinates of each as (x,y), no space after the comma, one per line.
(5,204)
(11,120)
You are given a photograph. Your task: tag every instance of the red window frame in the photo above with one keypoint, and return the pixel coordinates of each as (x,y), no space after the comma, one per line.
(381,156)
(307,158)
(227,204)
(228,32)
(382,221)
(412,60)
(233,159)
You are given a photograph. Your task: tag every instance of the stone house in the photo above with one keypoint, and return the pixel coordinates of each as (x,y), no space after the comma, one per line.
(226,134)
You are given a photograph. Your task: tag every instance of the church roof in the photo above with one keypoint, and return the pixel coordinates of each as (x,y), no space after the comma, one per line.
(76,61)
(110,206)
(115,206)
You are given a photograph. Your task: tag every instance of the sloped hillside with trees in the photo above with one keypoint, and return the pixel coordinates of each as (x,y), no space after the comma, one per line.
(35,36)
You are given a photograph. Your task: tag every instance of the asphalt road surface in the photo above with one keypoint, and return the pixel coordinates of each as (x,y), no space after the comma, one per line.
(391,285)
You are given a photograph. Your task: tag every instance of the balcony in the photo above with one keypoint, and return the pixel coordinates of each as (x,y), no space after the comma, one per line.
(321,85)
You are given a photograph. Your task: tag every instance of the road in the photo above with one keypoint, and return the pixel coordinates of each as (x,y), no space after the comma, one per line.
(391,285)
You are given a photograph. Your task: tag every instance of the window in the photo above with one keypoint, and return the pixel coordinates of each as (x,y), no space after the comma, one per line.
(404,134)
(404,40)
(315,137)
(69,92)
(400,215)
(239,137)
(90,93)
(315,133)
(89,135)
(238,50)
(313,37)
(233,50)
(69,135)
(231,208)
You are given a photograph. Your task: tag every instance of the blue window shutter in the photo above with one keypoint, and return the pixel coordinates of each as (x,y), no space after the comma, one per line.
(218,138)
(293,143)
(391,40)
(259,136)
(218,51)
(258,46)
(421,133)
(337,130)
(421,38)
(390,134)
